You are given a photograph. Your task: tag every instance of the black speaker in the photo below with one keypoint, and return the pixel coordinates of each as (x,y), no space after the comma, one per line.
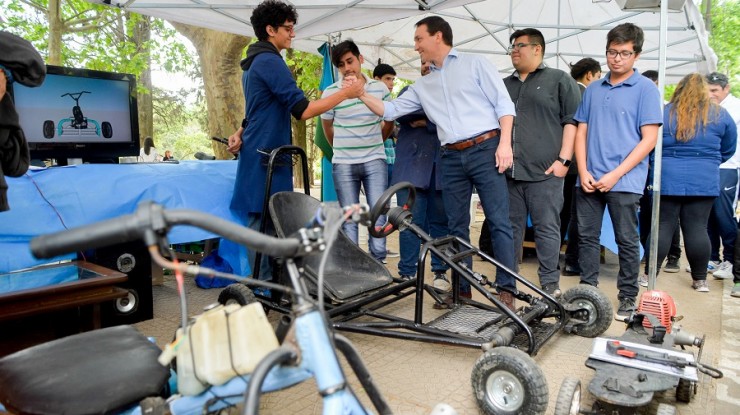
(133,260)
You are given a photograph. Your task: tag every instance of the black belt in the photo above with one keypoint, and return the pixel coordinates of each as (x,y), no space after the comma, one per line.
(470,142)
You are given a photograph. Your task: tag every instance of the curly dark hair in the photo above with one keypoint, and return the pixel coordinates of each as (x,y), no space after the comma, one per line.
(271,13)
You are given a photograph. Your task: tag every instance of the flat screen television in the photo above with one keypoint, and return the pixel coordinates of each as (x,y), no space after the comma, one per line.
(81,114)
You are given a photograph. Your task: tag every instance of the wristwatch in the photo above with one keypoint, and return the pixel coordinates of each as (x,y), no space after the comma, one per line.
(565,162)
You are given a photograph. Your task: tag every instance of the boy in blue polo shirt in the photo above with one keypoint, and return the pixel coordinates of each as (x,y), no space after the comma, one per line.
(619,119)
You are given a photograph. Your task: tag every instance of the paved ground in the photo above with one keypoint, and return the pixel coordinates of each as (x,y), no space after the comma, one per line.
(415,376)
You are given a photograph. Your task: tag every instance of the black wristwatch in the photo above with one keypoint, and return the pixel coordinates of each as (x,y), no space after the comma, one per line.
(565,162)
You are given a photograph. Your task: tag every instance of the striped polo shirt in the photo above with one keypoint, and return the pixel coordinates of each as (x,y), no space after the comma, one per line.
(357,131)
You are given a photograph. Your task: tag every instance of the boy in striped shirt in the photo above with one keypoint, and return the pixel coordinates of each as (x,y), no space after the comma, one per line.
(357,134)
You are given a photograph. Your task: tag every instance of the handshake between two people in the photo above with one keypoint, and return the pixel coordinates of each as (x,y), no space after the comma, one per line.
(353,87)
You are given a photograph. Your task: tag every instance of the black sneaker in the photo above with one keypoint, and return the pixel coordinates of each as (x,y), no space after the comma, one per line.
(552,289)
(406,277)
(625,310)
(672,265)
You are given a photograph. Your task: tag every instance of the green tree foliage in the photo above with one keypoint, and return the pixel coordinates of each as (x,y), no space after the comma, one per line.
(724,39)
(95,36)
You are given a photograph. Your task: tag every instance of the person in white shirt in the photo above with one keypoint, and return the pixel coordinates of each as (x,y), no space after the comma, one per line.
(148,153)
(722,225)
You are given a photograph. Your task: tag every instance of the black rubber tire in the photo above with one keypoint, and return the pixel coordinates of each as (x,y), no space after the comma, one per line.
(569,397)
(106,129)
(506,381)
(666,409)
(600,311)
(381,208)
(237,294)
(48,129)
(684,391)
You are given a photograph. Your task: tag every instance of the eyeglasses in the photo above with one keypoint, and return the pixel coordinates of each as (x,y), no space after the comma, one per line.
(623,54)
(289,27)
(518,46)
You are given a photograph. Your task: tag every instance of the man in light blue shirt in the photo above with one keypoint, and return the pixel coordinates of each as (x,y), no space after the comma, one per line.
(467,100)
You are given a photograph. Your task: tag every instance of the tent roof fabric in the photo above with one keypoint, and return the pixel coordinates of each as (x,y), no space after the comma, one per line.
(384,28)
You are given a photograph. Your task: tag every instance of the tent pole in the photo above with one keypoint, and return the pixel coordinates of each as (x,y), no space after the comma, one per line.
(657,168)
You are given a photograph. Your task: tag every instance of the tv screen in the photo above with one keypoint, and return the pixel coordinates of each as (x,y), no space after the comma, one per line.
(80,113)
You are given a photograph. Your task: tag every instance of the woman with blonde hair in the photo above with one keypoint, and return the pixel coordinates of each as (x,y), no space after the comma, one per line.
(698,135)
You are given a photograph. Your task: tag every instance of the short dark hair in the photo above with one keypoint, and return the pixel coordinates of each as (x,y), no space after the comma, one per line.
(437,24)
(716,78)
(626,32)
(383,69)
(651,75)
(586,65)
(341,49)
(535,36)
(271,13)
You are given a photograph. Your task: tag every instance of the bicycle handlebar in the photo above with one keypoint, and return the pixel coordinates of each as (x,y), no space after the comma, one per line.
(150,220)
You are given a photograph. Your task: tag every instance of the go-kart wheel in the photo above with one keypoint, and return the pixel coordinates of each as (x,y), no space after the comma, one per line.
(48,129)
(381,208)
(106,129)
(666,409)
(569,397)
(237,294)
(595,309)
(506,381)
(684,390)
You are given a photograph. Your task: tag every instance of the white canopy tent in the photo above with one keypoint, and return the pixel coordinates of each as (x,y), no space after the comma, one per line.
(384,28)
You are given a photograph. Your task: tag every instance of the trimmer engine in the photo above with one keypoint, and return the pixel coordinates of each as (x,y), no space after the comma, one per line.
(660,305)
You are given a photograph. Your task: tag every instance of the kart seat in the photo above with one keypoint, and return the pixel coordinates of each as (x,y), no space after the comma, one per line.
(349,272)
(77,113)
(96,372)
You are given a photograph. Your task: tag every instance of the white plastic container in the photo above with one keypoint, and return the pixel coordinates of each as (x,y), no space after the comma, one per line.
(223,342)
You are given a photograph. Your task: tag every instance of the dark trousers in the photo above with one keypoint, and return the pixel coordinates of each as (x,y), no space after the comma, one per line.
(692,212)
(646,213)
(542,201)
(722,224)
(461,170)
(569,220)
(623,213)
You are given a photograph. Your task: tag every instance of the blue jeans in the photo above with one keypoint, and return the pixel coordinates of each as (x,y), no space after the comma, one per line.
(722,224)
(475,166)
(623,213)
(254,220)
(543,201)
(373,176)
(428,214)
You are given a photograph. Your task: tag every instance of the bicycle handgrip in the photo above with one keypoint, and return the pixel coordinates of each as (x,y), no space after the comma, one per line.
(118,230)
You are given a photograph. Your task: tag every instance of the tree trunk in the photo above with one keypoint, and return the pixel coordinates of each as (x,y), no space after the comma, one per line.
(56,28)
(219,54)
(142,36)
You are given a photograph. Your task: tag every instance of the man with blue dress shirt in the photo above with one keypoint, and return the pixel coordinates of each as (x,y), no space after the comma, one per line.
(467,100)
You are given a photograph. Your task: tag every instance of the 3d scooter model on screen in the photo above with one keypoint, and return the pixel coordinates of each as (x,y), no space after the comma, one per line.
(78,123)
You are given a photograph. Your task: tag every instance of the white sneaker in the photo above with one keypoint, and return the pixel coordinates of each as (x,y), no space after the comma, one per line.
(724,271)
(441,282)
(711,266)
(642,280)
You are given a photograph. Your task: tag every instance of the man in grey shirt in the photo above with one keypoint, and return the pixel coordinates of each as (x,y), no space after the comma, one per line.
(542,141)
